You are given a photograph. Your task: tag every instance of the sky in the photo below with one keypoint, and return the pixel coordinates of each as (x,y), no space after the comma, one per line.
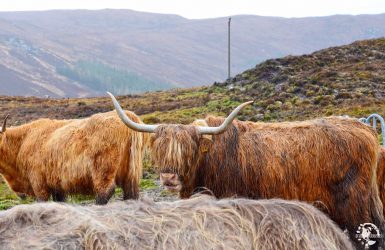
(196,9)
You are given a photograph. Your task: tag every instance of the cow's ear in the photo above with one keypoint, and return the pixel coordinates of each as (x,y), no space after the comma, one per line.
(205,143)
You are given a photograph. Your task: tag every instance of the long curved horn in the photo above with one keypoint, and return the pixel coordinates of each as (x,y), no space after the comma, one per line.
(4,127)
(151,128)
(129,123)
(226,122)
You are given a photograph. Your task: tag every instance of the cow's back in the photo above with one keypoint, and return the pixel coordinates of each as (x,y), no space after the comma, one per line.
(330,161)
(32,142)
(292,154)
(324,151)
(68,151)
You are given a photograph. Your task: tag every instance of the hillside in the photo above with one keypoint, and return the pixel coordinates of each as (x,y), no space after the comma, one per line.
(346,80)
(341,80)
(79,53)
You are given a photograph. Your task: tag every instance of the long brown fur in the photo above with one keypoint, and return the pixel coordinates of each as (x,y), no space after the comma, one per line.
(82,156)
(198,223)
(331,161)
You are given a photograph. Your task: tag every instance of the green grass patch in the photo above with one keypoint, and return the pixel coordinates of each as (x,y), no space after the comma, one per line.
(147,184)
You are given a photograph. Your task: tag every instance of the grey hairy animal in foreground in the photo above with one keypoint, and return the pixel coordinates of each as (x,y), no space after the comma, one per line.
(198,223)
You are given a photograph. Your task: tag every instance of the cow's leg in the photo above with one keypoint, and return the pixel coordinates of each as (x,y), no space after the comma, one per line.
(103,178)
(130,188)
(104,186)
(103,194)
(22,196)
(42,194)
(132,178)
(40,188)
(58,196)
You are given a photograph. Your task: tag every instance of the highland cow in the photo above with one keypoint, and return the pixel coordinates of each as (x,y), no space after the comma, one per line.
(198,223)
(82,156)
(331,162)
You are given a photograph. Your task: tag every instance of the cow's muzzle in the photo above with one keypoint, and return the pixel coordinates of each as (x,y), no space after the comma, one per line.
(170,181)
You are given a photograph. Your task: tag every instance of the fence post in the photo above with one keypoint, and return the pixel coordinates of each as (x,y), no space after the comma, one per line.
(374,118)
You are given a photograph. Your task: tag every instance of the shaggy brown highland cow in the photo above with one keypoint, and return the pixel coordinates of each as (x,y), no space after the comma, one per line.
(84,156)
(198,223)
(331,161)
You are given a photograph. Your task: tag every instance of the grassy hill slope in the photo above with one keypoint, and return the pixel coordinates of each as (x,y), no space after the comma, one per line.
(341,80)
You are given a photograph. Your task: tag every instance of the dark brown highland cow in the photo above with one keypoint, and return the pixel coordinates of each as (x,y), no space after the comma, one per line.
(331,161)
(84,156)
(198,223)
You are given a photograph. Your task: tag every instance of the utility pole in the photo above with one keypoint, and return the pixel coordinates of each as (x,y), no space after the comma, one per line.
(228,50)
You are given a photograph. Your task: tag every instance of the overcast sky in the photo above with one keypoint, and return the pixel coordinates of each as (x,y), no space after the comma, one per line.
(211,8)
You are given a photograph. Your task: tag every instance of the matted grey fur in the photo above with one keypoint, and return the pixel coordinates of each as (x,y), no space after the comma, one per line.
(198,223)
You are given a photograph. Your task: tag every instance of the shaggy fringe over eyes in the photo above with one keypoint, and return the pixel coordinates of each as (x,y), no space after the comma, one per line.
(198,223)
(175,148)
